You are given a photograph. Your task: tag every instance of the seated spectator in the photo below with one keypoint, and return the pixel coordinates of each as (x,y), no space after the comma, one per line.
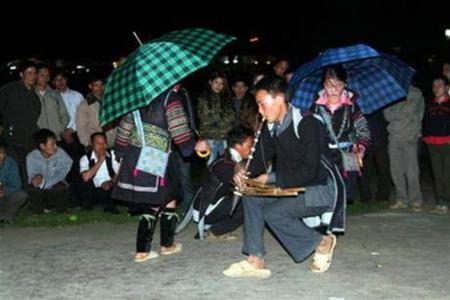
(215,199)
(47,168)
(12,197)
(99,169)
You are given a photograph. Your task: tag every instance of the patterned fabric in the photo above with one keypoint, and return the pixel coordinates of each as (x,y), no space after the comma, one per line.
(178,123)
(377,78)
(156,66)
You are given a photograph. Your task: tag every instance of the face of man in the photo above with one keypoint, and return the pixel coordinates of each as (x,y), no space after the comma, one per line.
(60,83)
(439,88)
(43,77)
(271,107)
(29,76)
(49,148)
(280,68)
(99,144)
(97,88)
(240,89)
(245,148)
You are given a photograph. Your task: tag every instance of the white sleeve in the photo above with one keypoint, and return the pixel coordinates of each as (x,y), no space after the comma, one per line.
(115,163)
(84,164)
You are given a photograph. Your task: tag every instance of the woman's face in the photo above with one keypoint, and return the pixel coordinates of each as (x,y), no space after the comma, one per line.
(333,87)
(217,85)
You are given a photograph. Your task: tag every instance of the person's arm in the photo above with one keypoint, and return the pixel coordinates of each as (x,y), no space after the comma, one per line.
(86,172)
(362,130)
(81,121)
(62,110)
(178,124)
(126,125)
(60,171)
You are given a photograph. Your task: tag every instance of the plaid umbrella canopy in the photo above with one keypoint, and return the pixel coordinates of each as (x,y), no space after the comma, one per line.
(377,78)
(156,66)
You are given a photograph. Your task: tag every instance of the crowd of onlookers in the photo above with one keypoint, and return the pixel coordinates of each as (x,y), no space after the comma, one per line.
(55,155)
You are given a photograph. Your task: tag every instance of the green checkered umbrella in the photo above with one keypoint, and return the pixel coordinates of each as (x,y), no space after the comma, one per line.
(156,66)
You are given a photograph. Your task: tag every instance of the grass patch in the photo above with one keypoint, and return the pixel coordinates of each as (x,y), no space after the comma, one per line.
(53,219)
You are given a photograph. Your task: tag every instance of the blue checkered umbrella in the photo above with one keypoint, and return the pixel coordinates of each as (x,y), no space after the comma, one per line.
(376,77)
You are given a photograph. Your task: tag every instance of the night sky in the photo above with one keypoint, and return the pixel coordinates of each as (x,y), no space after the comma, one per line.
(83,32)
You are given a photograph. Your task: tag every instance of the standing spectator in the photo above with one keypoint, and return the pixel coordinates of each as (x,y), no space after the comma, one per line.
(446,70)
(348,131)
(72,99)
(244,105)
(405,126)
(87,116)
(53,115)
(376,161)
(437,137)
(20,109)
(47,167)
(12,197)
(70,142)
(98,169)
(215,114)
(280,67)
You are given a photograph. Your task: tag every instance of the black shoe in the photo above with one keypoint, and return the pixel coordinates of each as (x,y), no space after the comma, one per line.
(112,210)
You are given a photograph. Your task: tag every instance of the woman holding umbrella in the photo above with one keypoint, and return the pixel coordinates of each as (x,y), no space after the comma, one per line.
(153,196)
(347,128)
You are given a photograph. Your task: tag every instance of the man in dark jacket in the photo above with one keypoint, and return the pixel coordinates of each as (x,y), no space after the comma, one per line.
(20,108)
(297,143)
(215,199)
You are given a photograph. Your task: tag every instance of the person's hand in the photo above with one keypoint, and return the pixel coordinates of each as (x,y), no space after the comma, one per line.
(68,135)
(107,185)
(359,151)
(37,180)
(263,178)
(202,146)
(239,176)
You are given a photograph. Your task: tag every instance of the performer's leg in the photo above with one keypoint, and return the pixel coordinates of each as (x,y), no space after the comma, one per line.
(169,219)
(146,229)
(284,217)
(254,225)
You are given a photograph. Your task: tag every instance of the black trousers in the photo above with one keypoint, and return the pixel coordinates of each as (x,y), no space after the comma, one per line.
(57,197)
(221,220)
(90,196)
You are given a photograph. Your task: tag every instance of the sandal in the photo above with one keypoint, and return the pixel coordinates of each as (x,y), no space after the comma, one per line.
(244,269)
(149,255)
(322,262)
(177,247)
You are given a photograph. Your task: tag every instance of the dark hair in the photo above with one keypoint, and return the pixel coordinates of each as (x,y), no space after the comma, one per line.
(226,86)
(42,136)
(25,64)
(335,71)
(2,143)
(95,77)
(443,78)
(99,133)
(41,66)
(280,59)
(238,134)
(272,84)
(60,72)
